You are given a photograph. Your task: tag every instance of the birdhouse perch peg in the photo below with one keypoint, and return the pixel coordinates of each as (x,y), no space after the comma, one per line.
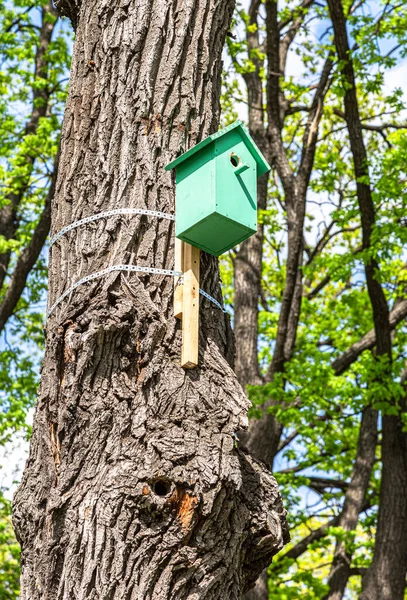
(241,169)
(216,209)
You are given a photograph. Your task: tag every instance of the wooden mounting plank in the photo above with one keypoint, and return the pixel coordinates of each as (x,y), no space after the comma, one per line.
(190,311)
(178,289)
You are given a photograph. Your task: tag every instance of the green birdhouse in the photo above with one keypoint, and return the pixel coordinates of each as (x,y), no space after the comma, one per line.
(216,190)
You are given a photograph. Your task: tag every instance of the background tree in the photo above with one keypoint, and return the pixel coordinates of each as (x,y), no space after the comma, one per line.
(34,50)
(300,299)
(35,58)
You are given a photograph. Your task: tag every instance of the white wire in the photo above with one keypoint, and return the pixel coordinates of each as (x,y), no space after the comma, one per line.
(128,269)
(110,213)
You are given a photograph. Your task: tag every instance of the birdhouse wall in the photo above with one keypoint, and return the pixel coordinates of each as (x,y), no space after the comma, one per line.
(195,198)
(236,192)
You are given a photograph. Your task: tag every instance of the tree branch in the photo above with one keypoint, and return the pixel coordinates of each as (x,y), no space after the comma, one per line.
(28,256)
(324,282)
(368,341)
(320,484)
(278,154)
(314,119)
(296,18)
(302,546)
(294,13)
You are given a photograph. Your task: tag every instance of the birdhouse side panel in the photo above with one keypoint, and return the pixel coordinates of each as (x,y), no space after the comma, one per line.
(236,181)
(195,190)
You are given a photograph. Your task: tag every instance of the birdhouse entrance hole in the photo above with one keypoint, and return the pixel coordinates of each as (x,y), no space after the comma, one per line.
(235,160)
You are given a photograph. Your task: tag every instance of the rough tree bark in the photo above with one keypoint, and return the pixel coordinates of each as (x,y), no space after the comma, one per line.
(134,487)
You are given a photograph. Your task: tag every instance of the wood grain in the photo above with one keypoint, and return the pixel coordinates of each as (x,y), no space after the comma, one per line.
(190,312)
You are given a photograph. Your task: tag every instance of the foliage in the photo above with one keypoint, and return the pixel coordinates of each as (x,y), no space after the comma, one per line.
(33,82)
(9,554)
(35,57)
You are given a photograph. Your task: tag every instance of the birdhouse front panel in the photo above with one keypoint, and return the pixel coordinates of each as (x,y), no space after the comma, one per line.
(216,190)
(236,181)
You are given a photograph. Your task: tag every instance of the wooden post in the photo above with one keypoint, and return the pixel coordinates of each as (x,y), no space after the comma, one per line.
(178,289)
(190,312)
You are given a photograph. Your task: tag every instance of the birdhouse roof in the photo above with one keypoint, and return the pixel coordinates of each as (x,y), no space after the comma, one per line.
(262,164)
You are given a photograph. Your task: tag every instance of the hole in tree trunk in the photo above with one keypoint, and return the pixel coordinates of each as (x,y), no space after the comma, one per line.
(161,487)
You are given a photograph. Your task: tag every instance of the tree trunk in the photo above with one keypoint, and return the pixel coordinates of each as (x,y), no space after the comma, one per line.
(386,577)
(248,261)
(353,504)
(247,278)
(249,258)
(134,487)
(260,591)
